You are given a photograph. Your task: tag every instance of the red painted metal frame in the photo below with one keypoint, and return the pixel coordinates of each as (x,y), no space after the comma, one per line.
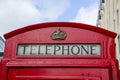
(0,69)
(76,34)
(45,30)
(66,24)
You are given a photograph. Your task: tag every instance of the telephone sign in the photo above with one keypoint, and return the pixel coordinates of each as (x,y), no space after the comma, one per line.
(52,49)
(59,51)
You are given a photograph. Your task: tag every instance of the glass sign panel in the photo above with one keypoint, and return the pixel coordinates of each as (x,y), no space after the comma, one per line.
(59,49)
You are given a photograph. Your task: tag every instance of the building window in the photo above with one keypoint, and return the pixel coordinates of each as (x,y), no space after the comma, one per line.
(117,17)
(114,27)
(119,42)
(1,44)
(103,1)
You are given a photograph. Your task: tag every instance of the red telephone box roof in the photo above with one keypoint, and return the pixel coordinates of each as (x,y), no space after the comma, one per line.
(54,24)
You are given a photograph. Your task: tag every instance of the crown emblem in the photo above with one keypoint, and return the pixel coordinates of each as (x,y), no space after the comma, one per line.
(59,35)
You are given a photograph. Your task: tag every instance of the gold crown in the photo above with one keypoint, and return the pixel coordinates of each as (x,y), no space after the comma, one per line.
(59,35)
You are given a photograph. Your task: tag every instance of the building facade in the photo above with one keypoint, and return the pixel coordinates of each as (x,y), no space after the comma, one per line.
(1,46)
(109,18)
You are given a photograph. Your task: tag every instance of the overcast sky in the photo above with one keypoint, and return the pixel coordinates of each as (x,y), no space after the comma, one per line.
(15,14)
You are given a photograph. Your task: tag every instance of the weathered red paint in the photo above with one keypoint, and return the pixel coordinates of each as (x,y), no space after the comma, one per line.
(0,68)
(103,67)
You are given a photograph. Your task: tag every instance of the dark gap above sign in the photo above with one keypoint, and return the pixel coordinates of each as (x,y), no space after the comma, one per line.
(58,49)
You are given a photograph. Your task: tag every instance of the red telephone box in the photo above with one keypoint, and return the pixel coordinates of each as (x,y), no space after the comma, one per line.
(59,51)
